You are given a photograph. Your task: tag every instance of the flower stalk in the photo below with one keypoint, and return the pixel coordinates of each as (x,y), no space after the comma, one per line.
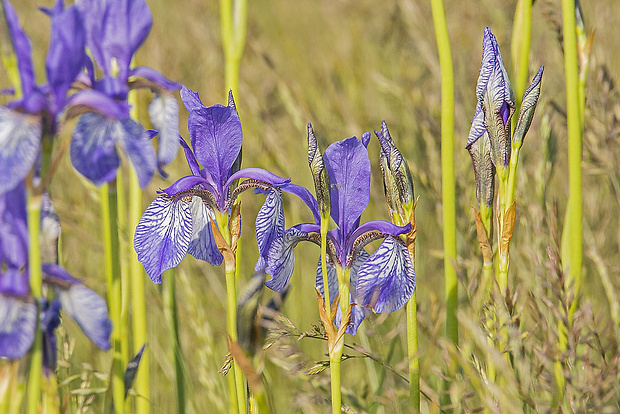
(170,303)
(233,17)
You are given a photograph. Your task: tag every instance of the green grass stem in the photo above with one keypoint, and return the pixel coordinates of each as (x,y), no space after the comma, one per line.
(233,16)
(170,303)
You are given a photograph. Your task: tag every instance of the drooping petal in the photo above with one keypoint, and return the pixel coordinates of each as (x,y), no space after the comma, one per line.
(163,235)
(202,245)
(386,280)
(18,320)
(21,47)
(281,259)
(370,231)
(93,148)
(93,100)
(332,281)
(156,79)
(20,137)
(90,312)
(349,173)
(190,99)
(136,144)
(66,54)
(528,106)
(190,157)
(269,225)
(257,174)
(50,320)
(216,138)
(305,196)
(185,184)
(164,114)
(14,282)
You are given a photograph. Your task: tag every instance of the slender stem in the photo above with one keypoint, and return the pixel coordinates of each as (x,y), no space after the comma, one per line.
(36,287)
(335,354)
(121,210)
(412,352)
(170,303)
(448,187)
(524,33)
(233,17)
(137,277)
(108,198)
(334,368)
(324,228)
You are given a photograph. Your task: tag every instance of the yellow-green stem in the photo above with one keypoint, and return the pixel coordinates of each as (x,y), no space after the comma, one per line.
(170,303)
(109,214)
(412,352)
(524,34)
(334,369)
(121,205)
(448,187)
(36,287)
(233,17)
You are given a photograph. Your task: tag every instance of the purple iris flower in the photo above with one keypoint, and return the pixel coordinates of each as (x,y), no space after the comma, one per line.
(18,310)
(384,280)
(181,219)
(115,29)
(36,110)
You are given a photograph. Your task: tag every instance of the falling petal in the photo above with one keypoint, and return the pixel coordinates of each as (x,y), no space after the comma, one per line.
(281,259)
(164,114)
(18,320)
(269,225)
(163,235)
(202,245)
(20,137)
(386,280)
(158,82)
(136,144)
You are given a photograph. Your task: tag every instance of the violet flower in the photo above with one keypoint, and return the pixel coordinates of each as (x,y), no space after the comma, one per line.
(37,108)
(181,219)
(18,310)
(383,281)
(115,29)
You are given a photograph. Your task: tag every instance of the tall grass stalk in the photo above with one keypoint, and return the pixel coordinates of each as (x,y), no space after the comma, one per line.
(121,209)
(233,16)
(170,304)
(109,215)
(448,186)
(137,277)
(36,288)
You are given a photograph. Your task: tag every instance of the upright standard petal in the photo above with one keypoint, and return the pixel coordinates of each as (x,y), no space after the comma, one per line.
(20,137)
(163,235)
(386,280)
(216,138)
(202,245)
(21,47)
(135,142)
(349,173)
(93,147)
(164,114)
(18,320)
(269,225)
(90,312)
(190,99)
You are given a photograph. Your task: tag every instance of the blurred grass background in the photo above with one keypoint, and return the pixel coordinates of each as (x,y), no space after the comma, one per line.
(345,66)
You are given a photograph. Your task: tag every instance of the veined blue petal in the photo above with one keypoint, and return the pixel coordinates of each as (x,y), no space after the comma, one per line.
(90,312)
(163,235)
(155,77)
(306,196)
(164,113)
(269,225)
(136,144)
(281,259)
(332,281)
(18,320)
(477,126)
(216,138)
(93,148)
(190,157)
(22,48)
(20,138)
(349,174)
(386,280)
(190,99)
(489,57)
(202,245)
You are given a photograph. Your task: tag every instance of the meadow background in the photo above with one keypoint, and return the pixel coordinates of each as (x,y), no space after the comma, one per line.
(345,66)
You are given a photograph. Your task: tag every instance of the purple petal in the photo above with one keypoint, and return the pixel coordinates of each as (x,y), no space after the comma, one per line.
(184,184)
(93,148)
(349,174)
(257,174)
(164,114)
(140,22)
(50,231)
(20,137)
(163,235)
(136,144)
(18,321)
(216,138)
(386,280)
(90,312)
(477,126)
(14,282)
(66,54)
(332,282)
(366,139)
(528,106)
(95,16)
(489,56)
(154,76)
(50,320)
(190,157)
(190,99)
(306,196)
(99,102)
(269,225)
(202,245)
(281,259)
(21,47)
(58,276)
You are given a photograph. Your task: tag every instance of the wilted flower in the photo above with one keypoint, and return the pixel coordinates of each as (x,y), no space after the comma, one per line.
(115,29)
(18,310)
(384,280)
(181,219)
